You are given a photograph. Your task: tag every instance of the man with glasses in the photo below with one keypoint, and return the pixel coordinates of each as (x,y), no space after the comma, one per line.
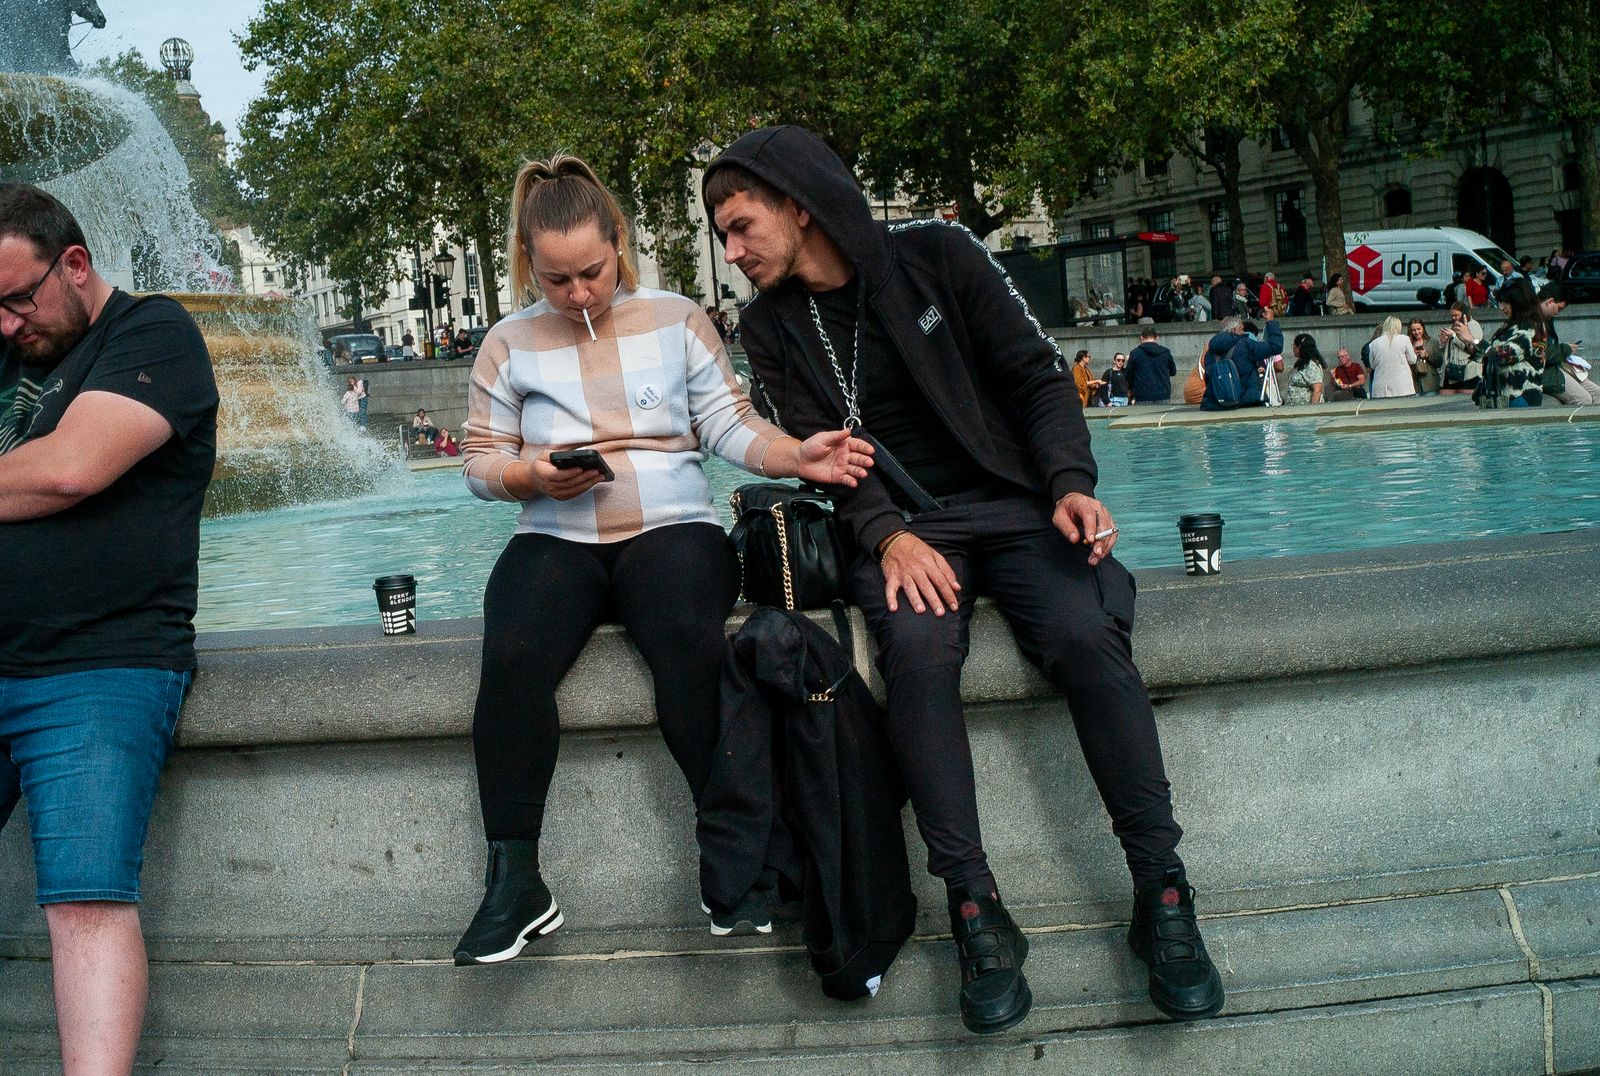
(107,440)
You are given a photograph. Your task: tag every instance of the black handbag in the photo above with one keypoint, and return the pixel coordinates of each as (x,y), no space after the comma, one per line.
(788,544)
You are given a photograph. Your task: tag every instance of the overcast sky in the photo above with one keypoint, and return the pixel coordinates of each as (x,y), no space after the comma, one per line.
(208,25)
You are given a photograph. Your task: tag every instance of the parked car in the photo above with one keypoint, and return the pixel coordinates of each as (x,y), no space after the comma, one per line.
(391,352)
(356,347)
(1581,277)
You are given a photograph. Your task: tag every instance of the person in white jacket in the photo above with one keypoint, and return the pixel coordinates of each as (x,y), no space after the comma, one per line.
(1392,359)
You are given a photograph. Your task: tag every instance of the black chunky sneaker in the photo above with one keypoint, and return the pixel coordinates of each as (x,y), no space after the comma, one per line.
(516,907)
(752,915)
(994,992)
(1184,982)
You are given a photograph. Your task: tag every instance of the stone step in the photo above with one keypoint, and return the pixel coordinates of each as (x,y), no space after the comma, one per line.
(1408,961)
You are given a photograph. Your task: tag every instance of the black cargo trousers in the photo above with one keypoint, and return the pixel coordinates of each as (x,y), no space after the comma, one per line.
(1071,620)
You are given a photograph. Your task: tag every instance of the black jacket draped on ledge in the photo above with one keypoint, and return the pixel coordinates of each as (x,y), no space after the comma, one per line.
(810,791)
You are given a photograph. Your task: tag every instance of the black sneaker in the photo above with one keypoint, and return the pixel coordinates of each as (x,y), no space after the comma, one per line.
(1184,982)
(750,916)
(994,992)
(516,908)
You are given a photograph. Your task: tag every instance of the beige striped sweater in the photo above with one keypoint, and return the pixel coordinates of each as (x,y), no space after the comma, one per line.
(653,394)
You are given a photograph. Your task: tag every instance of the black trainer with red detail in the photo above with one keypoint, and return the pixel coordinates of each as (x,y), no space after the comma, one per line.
(994,992)
(1184,982)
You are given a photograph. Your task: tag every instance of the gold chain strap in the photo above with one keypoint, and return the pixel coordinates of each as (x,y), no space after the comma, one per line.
(783,552)
(789,585)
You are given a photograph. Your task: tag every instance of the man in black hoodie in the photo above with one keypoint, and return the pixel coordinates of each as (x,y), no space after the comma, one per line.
(914,332)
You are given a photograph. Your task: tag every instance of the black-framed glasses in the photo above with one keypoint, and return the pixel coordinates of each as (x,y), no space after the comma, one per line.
(22,303)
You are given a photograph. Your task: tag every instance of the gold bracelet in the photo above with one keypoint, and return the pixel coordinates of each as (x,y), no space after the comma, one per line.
(883,550)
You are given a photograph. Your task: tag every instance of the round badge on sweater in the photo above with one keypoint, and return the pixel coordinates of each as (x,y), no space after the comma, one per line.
(649,397)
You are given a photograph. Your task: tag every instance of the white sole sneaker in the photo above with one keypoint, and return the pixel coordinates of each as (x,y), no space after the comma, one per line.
(743,927)
(545,924)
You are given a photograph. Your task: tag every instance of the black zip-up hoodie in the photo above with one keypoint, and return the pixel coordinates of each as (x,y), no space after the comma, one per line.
(987,368)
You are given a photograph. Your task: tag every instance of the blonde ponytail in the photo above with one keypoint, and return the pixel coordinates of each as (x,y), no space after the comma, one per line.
(559,195)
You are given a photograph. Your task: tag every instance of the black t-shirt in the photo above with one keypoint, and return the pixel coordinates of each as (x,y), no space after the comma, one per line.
(1116,381)
(110,582)
(894,409)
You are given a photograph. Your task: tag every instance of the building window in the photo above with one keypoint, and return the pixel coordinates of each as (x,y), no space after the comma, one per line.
(1099,177)
(1217,227)
(266,275)
(1099,229)
(1155,168)
(1569,176)
(1163,256)
(1397,202)
(1278,139)
(1288,210)
(472,272)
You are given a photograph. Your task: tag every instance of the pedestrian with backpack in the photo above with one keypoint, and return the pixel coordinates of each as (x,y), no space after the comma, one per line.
(1235,365)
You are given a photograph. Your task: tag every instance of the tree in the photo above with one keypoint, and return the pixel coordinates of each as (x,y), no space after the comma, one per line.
(380,123)
(1105,89)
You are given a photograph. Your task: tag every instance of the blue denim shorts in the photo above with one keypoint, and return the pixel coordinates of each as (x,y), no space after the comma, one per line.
(85,749)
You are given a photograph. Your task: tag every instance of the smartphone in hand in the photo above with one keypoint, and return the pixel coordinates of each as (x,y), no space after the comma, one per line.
(584,458)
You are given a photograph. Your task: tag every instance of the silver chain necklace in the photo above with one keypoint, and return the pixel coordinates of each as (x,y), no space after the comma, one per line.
(852,416)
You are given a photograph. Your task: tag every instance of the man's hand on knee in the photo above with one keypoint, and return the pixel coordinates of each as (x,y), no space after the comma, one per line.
(909,564)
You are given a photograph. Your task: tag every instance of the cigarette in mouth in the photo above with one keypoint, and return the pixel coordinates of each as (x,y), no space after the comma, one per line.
(589,323)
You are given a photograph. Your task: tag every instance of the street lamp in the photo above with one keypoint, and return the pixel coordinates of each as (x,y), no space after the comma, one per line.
(444,271)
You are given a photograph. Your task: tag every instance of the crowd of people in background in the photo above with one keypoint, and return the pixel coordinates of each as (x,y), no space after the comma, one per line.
(1260,296)
(1519,362)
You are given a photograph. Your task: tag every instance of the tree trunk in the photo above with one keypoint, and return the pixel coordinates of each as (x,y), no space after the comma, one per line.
(1221,153)
(1586,143)
(488,281)
(1318,145)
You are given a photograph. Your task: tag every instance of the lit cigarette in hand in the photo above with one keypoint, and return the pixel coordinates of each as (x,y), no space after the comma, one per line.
(1107,533)
(589,323)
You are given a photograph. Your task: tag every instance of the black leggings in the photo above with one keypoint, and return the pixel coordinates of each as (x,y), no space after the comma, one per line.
(672,589)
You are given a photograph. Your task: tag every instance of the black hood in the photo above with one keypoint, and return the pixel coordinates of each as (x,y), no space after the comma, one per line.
(801,165)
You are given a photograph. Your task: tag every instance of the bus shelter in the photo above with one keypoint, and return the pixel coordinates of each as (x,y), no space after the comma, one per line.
(1072,282)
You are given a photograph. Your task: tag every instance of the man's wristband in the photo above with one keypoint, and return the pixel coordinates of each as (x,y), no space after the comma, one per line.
(883,547)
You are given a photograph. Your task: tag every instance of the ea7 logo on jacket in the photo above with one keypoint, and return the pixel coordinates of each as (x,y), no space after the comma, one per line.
(929,319)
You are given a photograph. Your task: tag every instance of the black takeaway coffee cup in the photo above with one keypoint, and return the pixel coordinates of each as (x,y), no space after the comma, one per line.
(397,603)
(1201,534)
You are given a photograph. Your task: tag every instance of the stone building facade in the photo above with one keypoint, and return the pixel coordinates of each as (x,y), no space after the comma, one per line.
(1516,183)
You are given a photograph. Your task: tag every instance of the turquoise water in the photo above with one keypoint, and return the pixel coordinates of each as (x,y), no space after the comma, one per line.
(1283,489)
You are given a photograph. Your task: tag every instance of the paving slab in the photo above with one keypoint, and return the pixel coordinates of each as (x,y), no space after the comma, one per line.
(1562,923)
(1488,1032)
(1577,1025)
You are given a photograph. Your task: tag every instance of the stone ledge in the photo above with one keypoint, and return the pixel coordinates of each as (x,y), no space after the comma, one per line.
(1373,609)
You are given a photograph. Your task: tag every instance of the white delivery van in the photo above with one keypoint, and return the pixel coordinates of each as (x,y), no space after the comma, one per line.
(1387,268)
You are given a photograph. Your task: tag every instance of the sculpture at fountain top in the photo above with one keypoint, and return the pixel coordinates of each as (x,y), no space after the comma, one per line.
(36,33)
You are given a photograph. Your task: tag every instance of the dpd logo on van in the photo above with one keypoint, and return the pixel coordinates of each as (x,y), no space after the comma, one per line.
(1366,269)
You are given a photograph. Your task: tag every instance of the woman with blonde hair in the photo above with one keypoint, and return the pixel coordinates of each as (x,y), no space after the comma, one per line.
(594,407)
(1392,359)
